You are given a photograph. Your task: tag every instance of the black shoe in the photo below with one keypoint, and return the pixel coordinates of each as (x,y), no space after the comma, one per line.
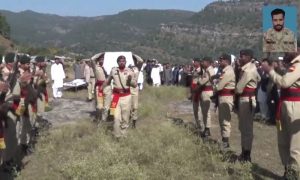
(245,156)
(206,133)
(225,143)
(133,124)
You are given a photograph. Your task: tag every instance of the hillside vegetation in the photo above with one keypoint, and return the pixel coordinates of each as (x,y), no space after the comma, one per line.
(168,35)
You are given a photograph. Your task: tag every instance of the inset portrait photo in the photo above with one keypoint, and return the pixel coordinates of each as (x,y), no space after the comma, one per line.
(279,28)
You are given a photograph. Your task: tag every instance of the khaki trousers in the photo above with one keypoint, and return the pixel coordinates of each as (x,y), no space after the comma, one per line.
(121,116)
(91,88)
(196,103)
(225,109)
(41,105)
(103,105)
(245,116)
(289,136)
(26,125)
(134,103)
(205,102)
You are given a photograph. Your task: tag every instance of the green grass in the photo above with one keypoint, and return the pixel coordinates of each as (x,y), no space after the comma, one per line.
(157,149)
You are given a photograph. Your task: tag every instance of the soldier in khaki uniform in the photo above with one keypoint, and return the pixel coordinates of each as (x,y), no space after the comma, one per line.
(245,88)
(28,102)
(134,97)
(225,88)
(40,84)
(121,103)
(89,76)
(103,96)
(10,132)
(135,90)
(288,114)
(279,38)
(205,83)
(195,91)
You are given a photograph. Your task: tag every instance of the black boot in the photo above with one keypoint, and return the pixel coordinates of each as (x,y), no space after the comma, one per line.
(225,143)
(133,124)
(248,156)
(206,133)
(245,156)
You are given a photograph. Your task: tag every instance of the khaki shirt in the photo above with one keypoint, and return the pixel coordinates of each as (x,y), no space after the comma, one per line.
(100,73)
(283,41)
(205,79)
(135,72)
(291,78)
(227,79)
(249,78)
(88,73)
(196,75)
(121,78)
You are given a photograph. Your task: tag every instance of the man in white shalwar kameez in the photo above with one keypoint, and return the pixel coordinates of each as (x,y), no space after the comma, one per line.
(155,75)
(57,76)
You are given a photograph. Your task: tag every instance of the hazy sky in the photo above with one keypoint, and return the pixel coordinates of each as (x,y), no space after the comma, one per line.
(98,7)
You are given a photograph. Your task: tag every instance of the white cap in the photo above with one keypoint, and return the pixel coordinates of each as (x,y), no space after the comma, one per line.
(280,58)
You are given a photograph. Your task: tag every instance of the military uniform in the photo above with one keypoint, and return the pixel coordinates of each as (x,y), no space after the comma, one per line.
(288,115)
(196,96)
(103,96)
(134,96)
(40,83)
(29,101)
(205,97)
(225,88)
(283,41)
(10,132)
(121,102)
(90,79)
(245,88)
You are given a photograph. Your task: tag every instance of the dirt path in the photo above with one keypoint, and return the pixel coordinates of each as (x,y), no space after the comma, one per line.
(265,155)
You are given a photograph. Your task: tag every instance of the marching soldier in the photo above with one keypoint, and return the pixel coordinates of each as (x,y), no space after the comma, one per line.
(103,96)
(121,102)
(288,114)
(245,88)
(90,79)
(225,90)
(40,84)
(205,83)
(195,91)
(29,101)
(135,91)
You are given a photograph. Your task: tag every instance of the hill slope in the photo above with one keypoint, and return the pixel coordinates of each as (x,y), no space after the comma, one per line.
(168,35)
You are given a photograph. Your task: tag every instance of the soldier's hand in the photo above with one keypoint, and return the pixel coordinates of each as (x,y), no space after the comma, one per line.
(3,87)
(129,78)
(25,78)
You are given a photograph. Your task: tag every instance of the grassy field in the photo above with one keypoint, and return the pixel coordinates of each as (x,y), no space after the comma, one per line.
(157,149)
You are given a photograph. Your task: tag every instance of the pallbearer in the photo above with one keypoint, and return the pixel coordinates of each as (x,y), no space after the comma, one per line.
(225,91)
